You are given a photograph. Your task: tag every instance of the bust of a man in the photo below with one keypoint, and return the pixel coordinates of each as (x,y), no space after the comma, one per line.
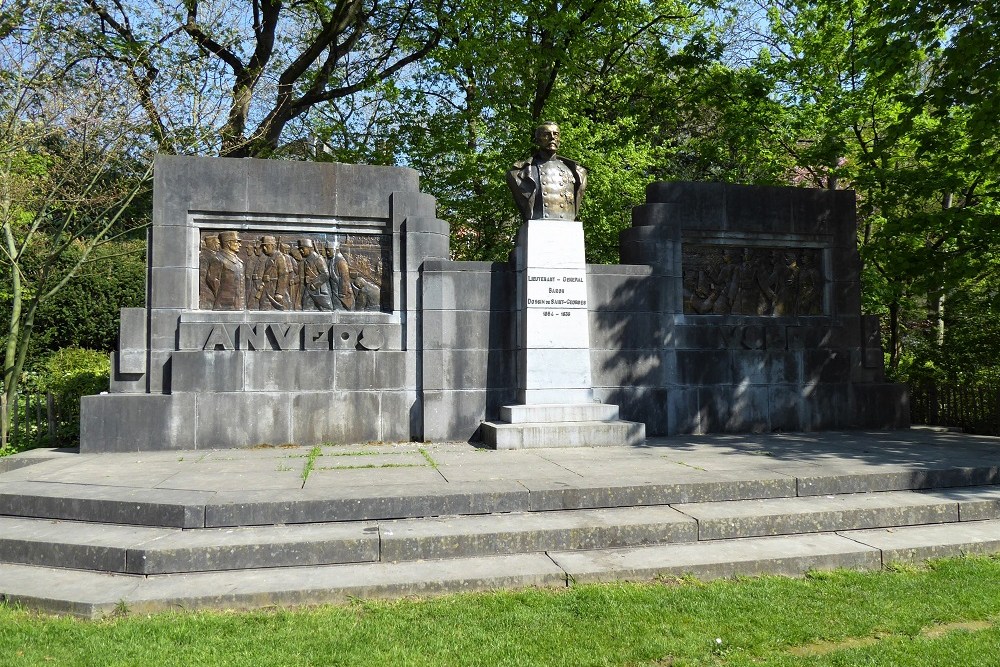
(547,186)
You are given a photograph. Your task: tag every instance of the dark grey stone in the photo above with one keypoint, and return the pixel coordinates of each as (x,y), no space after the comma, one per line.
(353,504)
(759,209)
(462,411)
(624,295)
(411,204)
(51,554)
(207,371)
(428,224)
(174,246)
(335,417)
(766,367)
(463,537)
(547,496)
(247,548)
(446,289)
(704,367)
(788,409)
(402,416)
(286,371)
(364,191)
(610,330)
(739,408)
(789,516)
(182,184)
(616,368)
(467,369)
(649,405)
(897,480)
(173,287)
(881,405)
(421,246)
(658,215)
(466,330)
(699,205)
(241,419)
(136,422)
(105,504)
(132,341)
(829,365)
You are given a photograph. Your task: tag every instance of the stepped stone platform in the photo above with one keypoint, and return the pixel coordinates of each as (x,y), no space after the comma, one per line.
(85,534)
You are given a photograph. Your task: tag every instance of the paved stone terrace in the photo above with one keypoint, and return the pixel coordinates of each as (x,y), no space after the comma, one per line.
(83,534)
(243,487)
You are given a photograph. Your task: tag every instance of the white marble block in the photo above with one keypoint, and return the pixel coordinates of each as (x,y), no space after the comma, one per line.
(553,326)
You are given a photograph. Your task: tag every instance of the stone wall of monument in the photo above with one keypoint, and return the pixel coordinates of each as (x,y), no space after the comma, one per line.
(309,303)
(736,309)
(282,306)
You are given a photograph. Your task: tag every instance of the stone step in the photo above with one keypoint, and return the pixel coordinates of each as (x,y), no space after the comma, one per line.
(201,509)
(817,514)
(141,550)
(94,594)
(146,550)
(499,435)
(558,412)
(466,536)
(915,544)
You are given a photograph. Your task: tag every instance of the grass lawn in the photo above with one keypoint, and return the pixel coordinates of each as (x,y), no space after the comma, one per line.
(945,614)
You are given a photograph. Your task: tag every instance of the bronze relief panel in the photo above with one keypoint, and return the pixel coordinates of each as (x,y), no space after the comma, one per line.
(270,271)
(742,280)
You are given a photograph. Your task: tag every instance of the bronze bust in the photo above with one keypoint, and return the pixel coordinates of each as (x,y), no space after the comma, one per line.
(547,186)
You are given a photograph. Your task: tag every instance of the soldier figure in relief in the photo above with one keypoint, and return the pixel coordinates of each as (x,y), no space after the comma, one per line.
(340,279)
(209,263)
(547,186)
(273,293)
(294,284)
(314,278)
(253,267)
(228,275)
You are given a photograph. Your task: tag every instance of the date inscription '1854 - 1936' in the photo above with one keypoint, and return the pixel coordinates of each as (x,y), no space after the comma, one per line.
(272,271)
(733,280)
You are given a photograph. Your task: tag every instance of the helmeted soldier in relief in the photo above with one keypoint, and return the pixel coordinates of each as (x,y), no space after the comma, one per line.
(547,186)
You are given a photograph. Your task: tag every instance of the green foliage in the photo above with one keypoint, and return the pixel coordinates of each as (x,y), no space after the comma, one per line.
(86,312)
(73,372)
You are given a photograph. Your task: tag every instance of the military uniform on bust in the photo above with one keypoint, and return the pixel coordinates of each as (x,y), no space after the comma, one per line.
(547,186)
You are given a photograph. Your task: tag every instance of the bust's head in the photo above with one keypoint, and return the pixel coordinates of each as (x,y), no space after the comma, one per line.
(547,137)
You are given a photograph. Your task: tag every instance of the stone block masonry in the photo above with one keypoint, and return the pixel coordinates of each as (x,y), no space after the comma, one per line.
(735,309)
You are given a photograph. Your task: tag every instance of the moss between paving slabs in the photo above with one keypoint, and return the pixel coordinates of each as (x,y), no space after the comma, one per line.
(946,614)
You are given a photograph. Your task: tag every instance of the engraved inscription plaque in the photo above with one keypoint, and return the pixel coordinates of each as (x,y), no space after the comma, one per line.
(737,280)
(280,271)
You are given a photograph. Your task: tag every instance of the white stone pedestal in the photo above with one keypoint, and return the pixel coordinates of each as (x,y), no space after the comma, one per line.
(553,358)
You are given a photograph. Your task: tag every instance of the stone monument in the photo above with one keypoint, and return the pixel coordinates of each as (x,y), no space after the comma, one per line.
(308,303)
(555,392)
